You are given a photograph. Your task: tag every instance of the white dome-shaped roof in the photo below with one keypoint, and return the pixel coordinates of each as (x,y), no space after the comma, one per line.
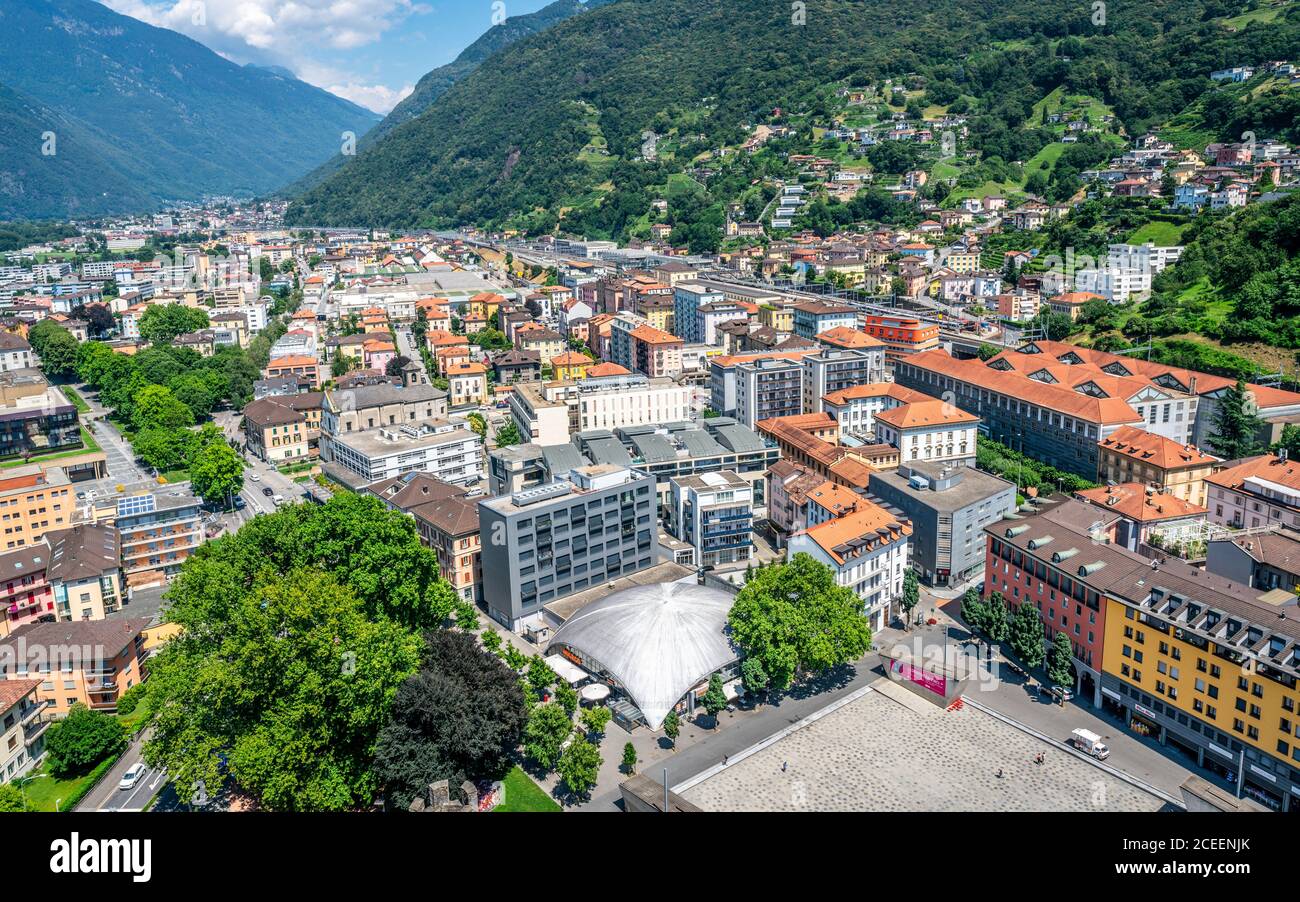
(657,641)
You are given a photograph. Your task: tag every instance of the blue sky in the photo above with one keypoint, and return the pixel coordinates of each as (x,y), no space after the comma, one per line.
(370,51)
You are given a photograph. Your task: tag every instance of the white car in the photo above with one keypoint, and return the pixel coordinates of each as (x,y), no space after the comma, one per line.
(278,499)
(133,776)
(256,477)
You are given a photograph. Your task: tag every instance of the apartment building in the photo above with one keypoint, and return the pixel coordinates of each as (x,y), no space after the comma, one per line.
(35,417)
(22,728)
(447,521)
(1256,492)
(33,501)
(689,299)
(855,408)
(868,550)
(85,571)
(15,353)
(833,370)
(768,388)
(467,384)
(372,406)
(549,413)
(158,530)
(284,428)
(447,449)
(1130,454)
(88,662)
(1115,284)
(25,591)
(903,336)
(1262,560)
(814,317)
(595,525)
(714,514)
(724,375)
(929,430)
(948,507)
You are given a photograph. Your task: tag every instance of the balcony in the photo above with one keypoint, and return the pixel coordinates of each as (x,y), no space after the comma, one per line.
(35,730)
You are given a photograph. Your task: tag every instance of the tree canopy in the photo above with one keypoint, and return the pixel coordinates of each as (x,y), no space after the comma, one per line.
(461,716)
(792,617)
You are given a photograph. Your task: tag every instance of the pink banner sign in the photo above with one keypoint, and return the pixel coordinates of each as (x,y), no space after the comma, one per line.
(935,682)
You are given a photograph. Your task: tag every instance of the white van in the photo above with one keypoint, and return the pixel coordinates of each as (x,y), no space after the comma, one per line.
(278,499)
(1090,742)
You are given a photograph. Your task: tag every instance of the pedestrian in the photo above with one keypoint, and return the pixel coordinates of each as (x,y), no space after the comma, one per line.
(999,773)
(783,766)
(724,760)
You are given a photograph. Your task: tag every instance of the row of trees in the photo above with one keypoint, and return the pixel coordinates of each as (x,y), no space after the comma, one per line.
(1022,630)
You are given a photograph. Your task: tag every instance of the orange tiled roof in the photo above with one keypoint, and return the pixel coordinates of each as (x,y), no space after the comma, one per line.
(868,528)
(900,393)
(844,337)
(607,369)
(1266,466)
(1154,449)
(926,413)
(1135,501)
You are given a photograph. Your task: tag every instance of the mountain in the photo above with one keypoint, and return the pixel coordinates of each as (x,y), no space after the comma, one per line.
(437,82)
(142,115)
(553,127)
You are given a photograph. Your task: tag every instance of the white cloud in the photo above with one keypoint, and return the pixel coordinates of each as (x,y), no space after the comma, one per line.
(379,98)
(284,32)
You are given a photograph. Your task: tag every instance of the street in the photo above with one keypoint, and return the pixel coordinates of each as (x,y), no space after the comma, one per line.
(106,796)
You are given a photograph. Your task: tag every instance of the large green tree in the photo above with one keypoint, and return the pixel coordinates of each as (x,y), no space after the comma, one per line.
(1027,635)
(374,551)
(792,617)
(217,473)
(160,323)
(460,717)
(289,681)
(1060,662)
(55,346)
(1236,425)
(156,406)
(81,740)
(579,766)
(548,726)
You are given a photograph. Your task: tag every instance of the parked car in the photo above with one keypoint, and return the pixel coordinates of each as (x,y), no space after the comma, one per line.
(256,477)
(268,491)
(278,499)
(240,503)
(132,776)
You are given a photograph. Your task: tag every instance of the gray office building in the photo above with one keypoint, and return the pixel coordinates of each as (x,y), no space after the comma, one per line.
(553,540)
(949,506)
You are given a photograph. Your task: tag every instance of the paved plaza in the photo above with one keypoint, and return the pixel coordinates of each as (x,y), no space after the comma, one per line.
(874,754)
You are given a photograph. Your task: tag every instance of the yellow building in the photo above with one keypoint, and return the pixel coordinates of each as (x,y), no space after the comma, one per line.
(1211,671)
(33,502)
(779,319)
(571,366)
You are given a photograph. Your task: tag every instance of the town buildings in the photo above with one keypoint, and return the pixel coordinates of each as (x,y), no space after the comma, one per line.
(1130,454)
(88,662)
(1255,492)
(867,548)
(594,525)
(948,507)
(930,430)
(22,727)
(447,521)
(714,513)
(447,449)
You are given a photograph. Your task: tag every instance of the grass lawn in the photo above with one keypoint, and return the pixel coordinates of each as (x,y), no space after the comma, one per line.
(1163,234)
(523,794)
(77,402)
(175,476)
(1265,14)
(1045,159)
